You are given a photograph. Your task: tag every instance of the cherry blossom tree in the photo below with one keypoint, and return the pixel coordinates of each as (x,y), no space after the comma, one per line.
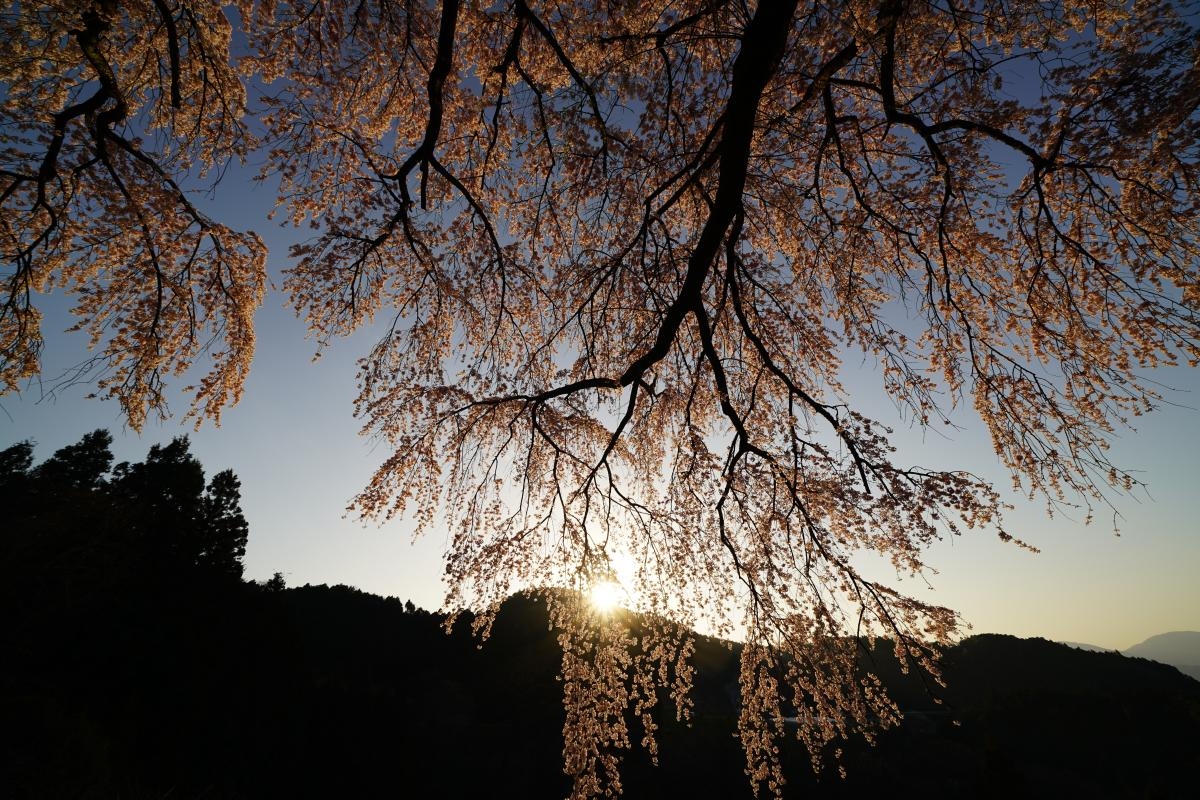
(624,249)
(107,110)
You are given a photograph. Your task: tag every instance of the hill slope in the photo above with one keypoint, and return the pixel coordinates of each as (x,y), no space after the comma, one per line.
(1180,649)
(236,691)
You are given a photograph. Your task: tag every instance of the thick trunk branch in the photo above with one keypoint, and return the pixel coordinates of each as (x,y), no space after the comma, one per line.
(762,49)
(442,64)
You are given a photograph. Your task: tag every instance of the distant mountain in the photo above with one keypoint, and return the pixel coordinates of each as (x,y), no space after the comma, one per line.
(1189,669)
(1091,648)
(1180,649)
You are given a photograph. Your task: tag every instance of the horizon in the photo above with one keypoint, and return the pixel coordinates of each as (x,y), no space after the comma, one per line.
(295,444)
(295,489)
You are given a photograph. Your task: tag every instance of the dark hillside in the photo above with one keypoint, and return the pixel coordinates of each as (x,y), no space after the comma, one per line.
(137,664)
(327,691)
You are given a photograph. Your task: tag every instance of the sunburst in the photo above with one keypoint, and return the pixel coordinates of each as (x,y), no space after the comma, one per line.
(606,596)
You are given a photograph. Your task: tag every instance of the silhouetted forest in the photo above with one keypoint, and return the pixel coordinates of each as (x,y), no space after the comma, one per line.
(138,664)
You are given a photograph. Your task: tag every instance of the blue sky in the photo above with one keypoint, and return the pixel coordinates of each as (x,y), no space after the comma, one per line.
(296,447)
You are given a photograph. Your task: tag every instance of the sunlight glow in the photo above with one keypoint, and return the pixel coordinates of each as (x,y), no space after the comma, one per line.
(606,596)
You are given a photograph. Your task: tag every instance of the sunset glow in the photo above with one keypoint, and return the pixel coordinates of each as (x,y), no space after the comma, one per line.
(606,596)
(759,354)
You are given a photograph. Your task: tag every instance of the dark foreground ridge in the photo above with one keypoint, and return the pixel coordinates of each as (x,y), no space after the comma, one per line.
(137,667)
(240,691)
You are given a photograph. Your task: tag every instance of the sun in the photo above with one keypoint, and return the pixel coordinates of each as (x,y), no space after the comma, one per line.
(606,596)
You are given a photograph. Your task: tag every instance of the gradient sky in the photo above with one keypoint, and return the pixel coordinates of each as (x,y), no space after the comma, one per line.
(294,443)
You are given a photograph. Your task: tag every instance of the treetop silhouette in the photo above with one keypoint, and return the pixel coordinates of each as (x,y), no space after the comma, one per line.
(160,511)
(624,248)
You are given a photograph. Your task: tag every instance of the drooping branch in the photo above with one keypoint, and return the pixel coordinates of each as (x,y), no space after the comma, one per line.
(524,12)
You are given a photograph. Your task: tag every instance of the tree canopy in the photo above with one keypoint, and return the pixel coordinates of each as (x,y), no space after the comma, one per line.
(625,249)
(154,519)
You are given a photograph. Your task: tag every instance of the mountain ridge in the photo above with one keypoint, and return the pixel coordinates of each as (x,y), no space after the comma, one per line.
(319,691)
(1179,649)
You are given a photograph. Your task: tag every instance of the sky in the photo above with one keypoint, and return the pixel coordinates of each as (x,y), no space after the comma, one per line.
(295,445)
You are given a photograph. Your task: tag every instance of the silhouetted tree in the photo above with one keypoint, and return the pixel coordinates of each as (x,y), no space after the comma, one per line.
(15,462)
(65,532)
(223,528)
(82,465)
(159,511)
(186,522)
(166,488)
